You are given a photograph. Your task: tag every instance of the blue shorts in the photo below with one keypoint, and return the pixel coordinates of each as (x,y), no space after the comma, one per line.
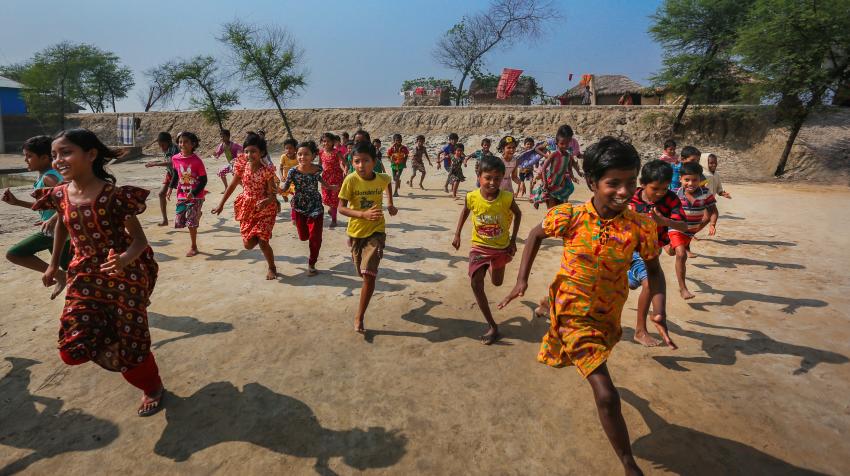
(637,271)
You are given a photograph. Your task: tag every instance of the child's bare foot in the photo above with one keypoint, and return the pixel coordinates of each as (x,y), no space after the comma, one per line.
(643,337)
(686,295)
(191,252)
(541,312)
(271,274)
(491,336)
(151,403)
(162,223)
(312,271)
(661,324)
(420,186)
(61,281)
(691,254)
(333,224)
(358,326)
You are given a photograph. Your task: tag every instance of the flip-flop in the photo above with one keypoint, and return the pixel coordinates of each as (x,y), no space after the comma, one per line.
(157,406)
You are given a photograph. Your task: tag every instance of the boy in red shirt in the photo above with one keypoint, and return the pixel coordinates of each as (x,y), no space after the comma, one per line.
(398,160)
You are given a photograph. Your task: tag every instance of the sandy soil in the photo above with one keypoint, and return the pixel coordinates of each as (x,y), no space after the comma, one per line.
(270,377)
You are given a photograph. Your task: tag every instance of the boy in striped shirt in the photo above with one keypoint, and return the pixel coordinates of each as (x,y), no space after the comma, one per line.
(698,205)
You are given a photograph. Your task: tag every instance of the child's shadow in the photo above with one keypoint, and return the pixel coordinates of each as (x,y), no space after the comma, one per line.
(413,255)
(732,298)
(220,412)
(48,432)
(722,350)
(682,450)
(189,326)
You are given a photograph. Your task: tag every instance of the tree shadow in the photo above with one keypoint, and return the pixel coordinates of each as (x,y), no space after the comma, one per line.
(220,412)
(49,432)
(681,450)
(732,298)
(445,329)
(723,350)
(189,326)
(768,243)
(733,263)
(413,255)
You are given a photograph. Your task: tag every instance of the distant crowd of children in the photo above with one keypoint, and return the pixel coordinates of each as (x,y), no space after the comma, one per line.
(612,243)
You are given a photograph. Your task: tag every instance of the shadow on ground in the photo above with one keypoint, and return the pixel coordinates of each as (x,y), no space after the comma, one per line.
(188,326)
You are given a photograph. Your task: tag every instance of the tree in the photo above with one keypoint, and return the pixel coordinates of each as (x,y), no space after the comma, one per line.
(268,60)
(162,85)
(698,37)
(200,75)
(104,80)
(503,24)
(798,53)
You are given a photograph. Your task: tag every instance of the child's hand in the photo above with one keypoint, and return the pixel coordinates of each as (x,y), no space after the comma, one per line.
(712,229)
(456,242)
(150,164)
(517,291)
(49,276)
(114,263)
(393,210)
(512,247)
(9,197)
(48,226)
(726,194)
(372,214)
(168,194)
(658,219)
(217,210)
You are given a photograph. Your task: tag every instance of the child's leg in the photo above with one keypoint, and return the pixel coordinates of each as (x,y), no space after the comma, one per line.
(145,377)
(412,176)
(24,254)
(193,235)
(454,189)
(314,226)
(421,179)
(224,181)
(641,334)
(681,260)
(608,406)
(162,204)
(269,255)
(366,292)
(332,213)
(477,283)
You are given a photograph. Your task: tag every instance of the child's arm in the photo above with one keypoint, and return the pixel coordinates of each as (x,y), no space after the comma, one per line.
(713,214)
(11,199)
(578,172)
(428,158)
(542,150)
(517,219)
(390,207)
(515,176)
(237,179)
(271,192)
(464,214)
(532,246)
(158,163)
(60,235)
(343,164)
(115,263)
(371,214)
(668,222)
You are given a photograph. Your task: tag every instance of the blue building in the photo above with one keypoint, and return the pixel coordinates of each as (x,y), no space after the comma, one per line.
(11,102)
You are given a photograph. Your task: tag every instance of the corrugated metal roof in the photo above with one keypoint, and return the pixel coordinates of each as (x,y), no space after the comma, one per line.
(8,83)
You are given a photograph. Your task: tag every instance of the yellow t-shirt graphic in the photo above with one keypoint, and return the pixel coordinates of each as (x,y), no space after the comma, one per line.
(491,220)
(362,195)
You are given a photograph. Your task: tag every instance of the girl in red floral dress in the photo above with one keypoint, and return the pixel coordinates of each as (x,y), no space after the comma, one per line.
(113,272)
(333,166)
(256,207)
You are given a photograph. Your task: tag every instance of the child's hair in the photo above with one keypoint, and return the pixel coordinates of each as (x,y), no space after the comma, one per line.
(345,134)
(310,145)
(505,141)
(396,137)
(609,153)
(257,141)
(336,138)
(691,168)
(376,141)
(420,137)
(459,147)
(453,137)
(486,140)
(491,164)
(669,143)
(163,137)
(656,171)
(290,141)
(564,131)
(38,145)
(528,140)
(712,156)
(327,136)
(226,132)
(690,151)
(192,137)
(261,132)
(87,140)
(364,147)
(366,136)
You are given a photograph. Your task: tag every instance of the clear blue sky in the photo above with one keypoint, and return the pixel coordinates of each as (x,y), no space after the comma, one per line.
(357,53)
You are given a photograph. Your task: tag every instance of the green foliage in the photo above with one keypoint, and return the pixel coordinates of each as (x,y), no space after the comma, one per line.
(201,76)
(427,83)
(162,85)
(104,81)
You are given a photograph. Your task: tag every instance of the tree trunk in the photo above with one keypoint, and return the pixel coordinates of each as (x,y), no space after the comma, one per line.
(62,105)
(283,116)
(460,88)
(795,129)
(678,123)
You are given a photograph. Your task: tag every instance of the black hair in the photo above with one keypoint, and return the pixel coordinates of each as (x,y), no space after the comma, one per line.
(690,168)
(689,151)
(491,163)
(336,138)
(87,140)
(257,141)
(377,140)
(364,147)
(290,141)
(505,141)
(459,146)
(226,132)
(366,136)
(564,131)
(396,136)
(310,145)
(527,140)
(420,137)
(192,137)
(711,155)
(486,140)
(656,171)
(163,137)
(345,134)
(669,143)
(609,153)
(453,136)
(38,145)
(327,136)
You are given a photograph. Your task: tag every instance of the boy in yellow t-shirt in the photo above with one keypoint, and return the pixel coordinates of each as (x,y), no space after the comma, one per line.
(492,211)
(361,199)
(288,160)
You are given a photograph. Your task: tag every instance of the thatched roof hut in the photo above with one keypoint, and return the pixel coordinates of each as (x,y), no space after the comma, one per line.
(484,91)
(609,89)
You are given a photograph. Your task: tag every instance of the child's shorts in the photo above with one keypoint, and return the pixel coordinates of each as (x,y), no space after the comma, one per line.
(525,174)
(417,166)
(494,258)
(397,174)
(679,239)
(367,253)
(637,271)
(227,169)
(188,213)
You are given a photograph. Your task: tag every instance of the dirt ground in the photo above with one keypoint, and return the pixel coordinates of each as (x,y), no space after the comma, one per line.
(269,376)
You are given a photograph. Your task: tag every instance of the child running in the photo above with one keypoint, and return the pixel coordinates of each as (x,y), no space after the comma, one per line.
(445,157)
(112,275)
(417,164)
(163,139)
(231,150)
(307,211)
(256,207)
(697,202)
(361,199)
(190,180)
(507,147)
(587,296)
(456,170)
(525,173)
(333,167)
(492,248)
(479,155)
(713,183)
(654,200)
(37,157)
(397,153)
(379,163)
(288,160)
(556,173)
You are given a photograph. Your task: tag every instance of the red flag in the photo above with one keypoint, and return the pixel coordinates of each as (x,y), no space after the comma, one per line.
(419,91)
(507,82)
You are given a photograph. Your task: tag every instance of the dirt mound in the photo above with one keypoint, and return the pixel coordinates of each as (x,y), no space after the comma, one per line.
(746,139)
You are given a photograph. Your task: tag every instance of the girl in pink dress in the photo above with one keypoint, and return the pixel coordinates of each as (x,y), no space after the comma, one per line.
(333,166)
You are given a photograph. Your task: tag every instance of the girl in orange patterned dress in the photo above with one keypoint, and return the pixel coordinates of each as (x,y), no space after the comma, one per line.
(256,207)
(113,272)
(587,296)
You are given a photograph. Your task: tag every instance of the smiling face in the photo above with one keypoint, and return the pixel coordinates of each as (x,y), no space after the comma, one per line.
(690,183)
(327,144)
(485,146)
(364,165)
(420,142)
(611,194)
(489,181)
(71,160)
(187,147)
(289,149)
(509,150)
(304,156)
(563,144)
(655,191)
(670,151)
(253,153)
(712,163)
